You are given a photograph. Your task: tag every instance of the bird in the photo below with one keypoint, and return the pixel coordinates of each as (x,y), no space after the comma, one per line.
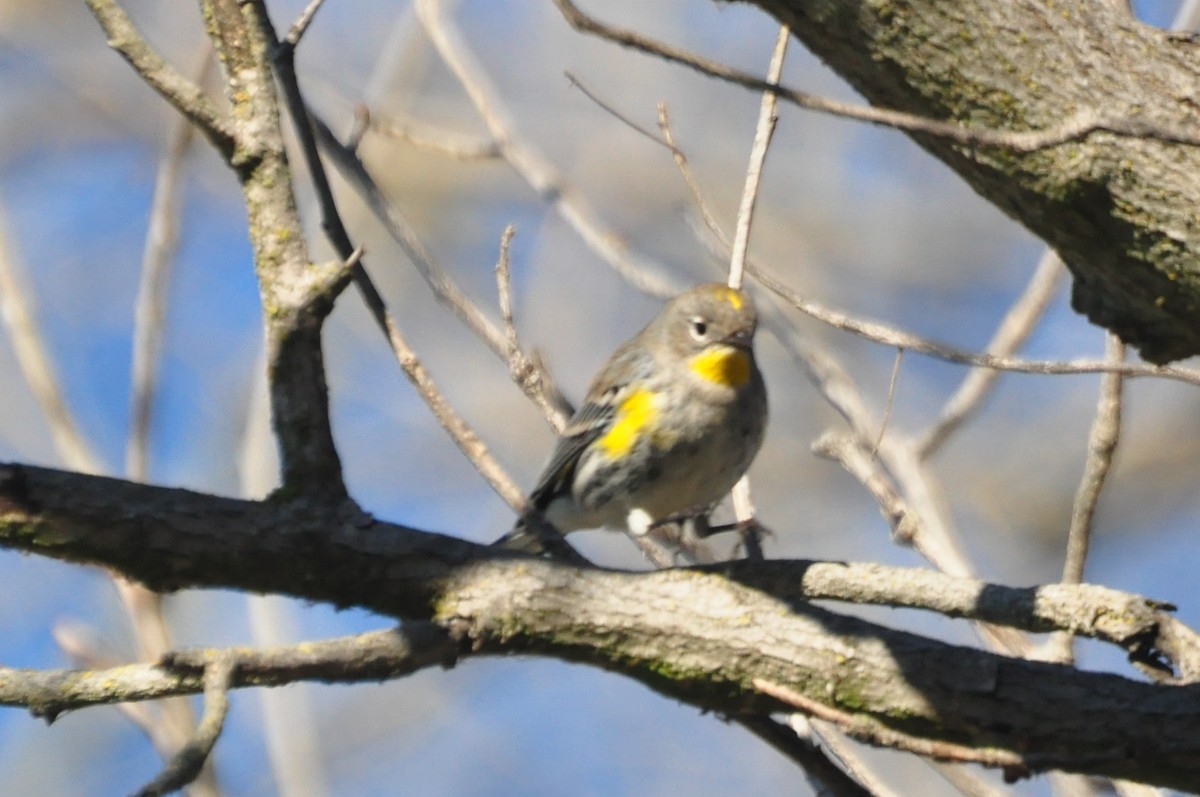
(668,425)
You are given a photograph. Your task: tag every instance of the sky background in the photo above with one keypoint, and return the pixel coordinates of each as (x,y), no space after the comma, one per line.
(854,217)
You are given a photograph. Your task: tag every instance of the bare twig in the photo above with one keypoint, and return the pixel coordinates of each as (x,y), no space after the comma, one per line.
(966,779)
(1012,332)
(865,467)
(1074,128)
(186,765)
(533,167)
(1103,438)
(444,288)
(176,721)
(372,656)
(871,730)
(77,641)
(824,775)
(827,736)
(504,289)
(445,142)
(612,110)
(880,333)
(179,91)
(685,171)
(1102,444)
(891,400)
(18,316)
(162,238)
(459,430)
(300,26)
(527,372)
(763,131)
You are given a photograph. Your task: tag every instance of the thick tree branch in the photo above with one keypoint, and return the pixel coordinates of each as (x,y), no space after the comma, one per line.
(698,636)
(986,88)
(1117,206)
(297,294)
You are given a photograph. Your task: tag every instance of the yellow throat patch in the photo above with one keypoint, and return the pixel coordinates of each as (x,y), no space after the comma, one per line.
(634,414)
(723,365)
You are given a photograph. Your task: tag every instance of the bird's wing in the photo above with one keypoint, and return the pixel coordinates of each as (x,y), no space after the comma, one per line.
(586,425)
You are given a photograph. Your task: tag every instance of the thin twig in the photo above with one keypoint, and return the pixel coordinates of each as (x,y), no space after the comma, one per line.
(763,131)
(1102,444)
(1010,335)
(871,730)
(445,142)
(19,317)
(455,425)
(611,109)
(185,766)
(373,656)
(444,288)
(179,91)
(840,750)
(689,179)
(504,290)
(300,26)
(891,400)
(162,239)
(1074,128)
(528,372)
(1103,438)
(888,336)
(966,779)
(865,466)
(78,642)
(532,166)
(143,607)
(826,778)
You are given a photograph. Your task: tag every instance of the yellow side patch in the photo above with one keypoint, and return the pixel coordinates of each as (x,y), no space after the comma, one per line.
(634,414)
(724,365)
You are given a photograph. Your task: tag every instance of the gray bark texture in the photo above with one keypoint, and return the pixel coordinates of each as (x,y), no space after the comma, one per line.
(703,637)
(1121,210)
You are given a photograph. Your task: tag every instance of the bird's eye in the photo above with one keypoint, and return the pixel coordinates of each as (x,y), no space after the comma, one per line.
(699,327)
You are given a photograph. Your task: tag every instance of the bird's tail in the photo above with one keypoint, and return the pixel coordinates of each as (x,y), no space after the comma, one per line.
(533,535)
(522,538)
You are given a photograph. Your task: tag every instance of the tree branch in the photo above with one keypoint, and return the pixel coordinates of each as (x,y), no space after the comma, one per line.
(184,95)
(373,656)
(697,636)
(1113,204)
(297,294)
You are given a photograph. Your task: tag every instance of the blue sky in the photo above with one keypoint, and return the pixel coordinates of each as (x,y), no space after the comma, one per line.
(858,218)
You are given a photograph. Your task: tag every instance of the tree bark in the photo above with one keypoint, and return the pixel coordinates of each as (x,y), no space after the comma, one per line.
(1121,210)
(700,637)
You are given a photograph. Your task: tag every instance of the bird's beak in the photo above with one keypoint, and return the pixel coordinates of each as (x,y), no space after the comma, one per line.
(740,339)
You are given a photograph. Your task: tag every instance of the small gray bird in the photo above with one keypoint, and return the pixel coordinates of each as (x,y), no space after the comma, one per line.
(668,426)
